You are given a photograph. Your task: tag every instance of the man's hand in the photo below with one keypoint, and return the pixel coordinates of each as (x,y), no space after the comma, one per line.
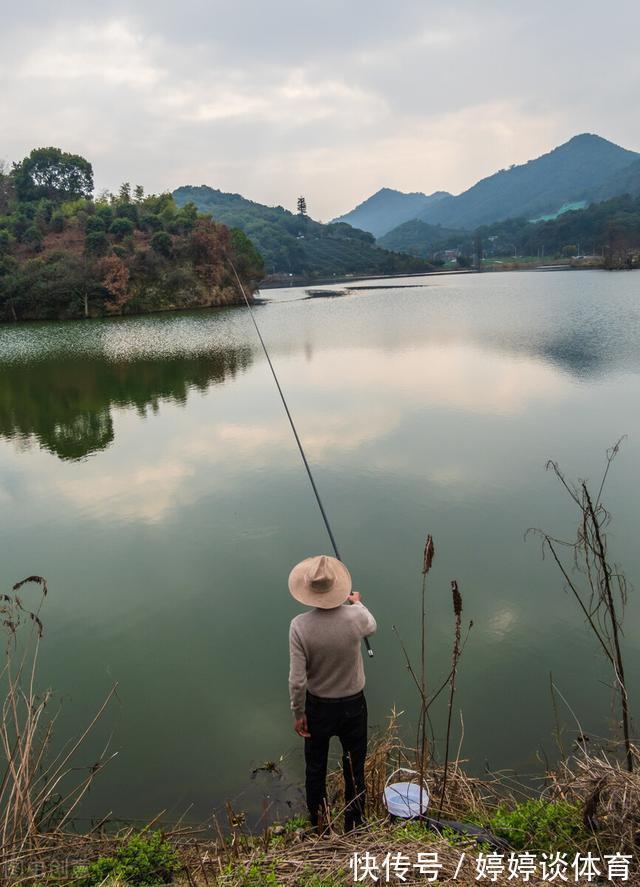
(354,597)
(301,728)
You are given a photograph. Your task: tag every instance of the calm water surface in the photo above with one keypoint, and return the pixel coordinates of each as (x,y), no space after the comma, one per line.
(147,470)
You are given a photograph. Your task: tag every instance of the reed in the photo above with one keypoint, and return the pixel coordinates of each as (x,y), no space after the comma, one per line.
(39,790)
(457,610)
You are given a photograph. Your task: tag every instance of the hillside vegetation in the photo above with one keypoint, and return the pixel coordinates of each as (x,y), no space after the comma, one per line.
(64,254)
(626,181)
(296,244)
(421,239)
(610,229)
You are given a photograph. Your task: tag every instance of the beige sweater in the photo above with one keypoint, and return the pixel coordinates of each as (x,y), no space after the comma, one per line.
(326,658)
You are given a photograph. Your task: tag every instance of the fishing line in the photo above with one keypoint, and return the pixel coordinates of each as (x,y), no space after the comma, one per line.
(293,427)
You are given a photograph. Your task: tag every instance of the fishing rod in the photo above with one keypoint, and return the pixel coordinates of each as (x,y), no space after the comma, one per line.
(293,427)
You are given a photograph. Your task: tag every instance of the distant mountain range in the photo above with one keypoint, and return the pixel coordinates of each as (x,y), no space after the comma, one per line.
(388,208)
(410,228)
(296,244)
(587,168)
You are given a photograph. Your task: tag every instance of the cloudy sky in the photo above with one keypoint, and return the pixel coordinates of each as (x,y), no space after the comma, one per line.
(332,99)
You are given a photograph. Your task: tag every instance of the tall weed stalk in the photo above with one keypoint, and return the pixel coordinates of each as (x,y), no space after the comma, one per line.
(597,584)
(39,790)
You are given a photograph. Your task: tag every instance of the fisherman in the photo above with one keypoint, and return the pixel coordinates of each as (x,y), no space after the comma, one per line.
(326,680)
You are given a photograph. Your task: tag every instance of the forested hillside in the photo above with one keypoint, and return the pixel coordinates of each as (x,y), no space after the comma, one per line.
(64,254)
(610,229)
(421,239)
(296,244)
(625,181)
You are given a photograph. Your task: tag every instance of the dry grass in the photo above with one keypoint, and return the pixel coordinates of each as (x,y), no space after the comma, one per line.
(39,789)
(326,859)
(464,797)
(609,796)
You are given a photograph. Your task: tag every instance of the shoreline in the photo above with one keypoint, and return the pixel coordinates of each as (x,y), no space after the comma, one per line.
(286,283)
(274,282)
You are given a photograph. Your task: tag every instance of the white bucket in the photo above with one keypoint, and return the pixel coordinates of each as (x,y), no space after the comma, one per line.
(406,799)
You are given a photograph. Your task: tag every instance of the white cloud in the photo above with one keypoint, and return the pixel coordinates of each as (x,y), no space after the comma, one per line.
(331,100)
(111,53)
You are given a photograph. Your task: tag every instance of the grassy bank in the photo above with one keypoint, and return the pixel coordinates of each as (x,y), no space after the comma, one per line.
(588,805)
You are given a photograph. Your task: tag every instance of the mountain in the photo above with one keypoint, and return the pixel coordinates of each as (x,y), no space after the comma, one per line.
(625,181)
(584,169)
(296,244)
(386,209)
(421,239)
(572,172)
(610,229)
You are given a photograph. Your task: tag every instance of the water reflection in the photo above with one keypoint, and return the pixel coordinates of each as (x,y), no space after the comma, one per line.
(65,405)
(429,409)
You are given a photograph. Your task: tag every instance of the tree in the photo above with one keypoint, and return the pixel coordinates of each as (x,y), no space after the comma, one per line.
(138,193)
(54,174)
(6,188)
(124,194)
(302,206)
(162,244)
(128,211)
(247,259)
(96,243)
(115,279)
(95,223)
(151,222)
(121,228)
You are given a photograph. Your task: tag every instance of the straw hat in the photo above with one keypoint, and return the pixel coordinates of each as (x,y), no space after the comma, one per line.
(322,581)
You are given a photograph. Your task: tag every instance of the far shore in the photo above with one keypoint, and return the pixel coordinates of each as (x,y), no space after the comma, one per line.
(280,281)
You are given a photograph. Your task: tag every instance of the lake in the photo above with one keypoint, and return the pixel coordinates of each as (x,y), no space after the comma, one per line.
(149,473)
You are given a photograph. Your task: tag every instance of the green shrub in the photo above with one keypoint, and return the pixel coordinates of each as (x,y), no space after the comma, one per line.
(151,222)
(127,211)
(95,223)
(96,243)
(57,221)
(540,825)
(161,243)
(33,238)
(143,860)
(104,212)
(5,241)
(121,228)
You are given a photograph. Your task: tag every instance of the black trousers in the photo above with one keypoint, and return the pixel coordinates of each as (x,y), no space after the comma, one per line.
(348,721)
